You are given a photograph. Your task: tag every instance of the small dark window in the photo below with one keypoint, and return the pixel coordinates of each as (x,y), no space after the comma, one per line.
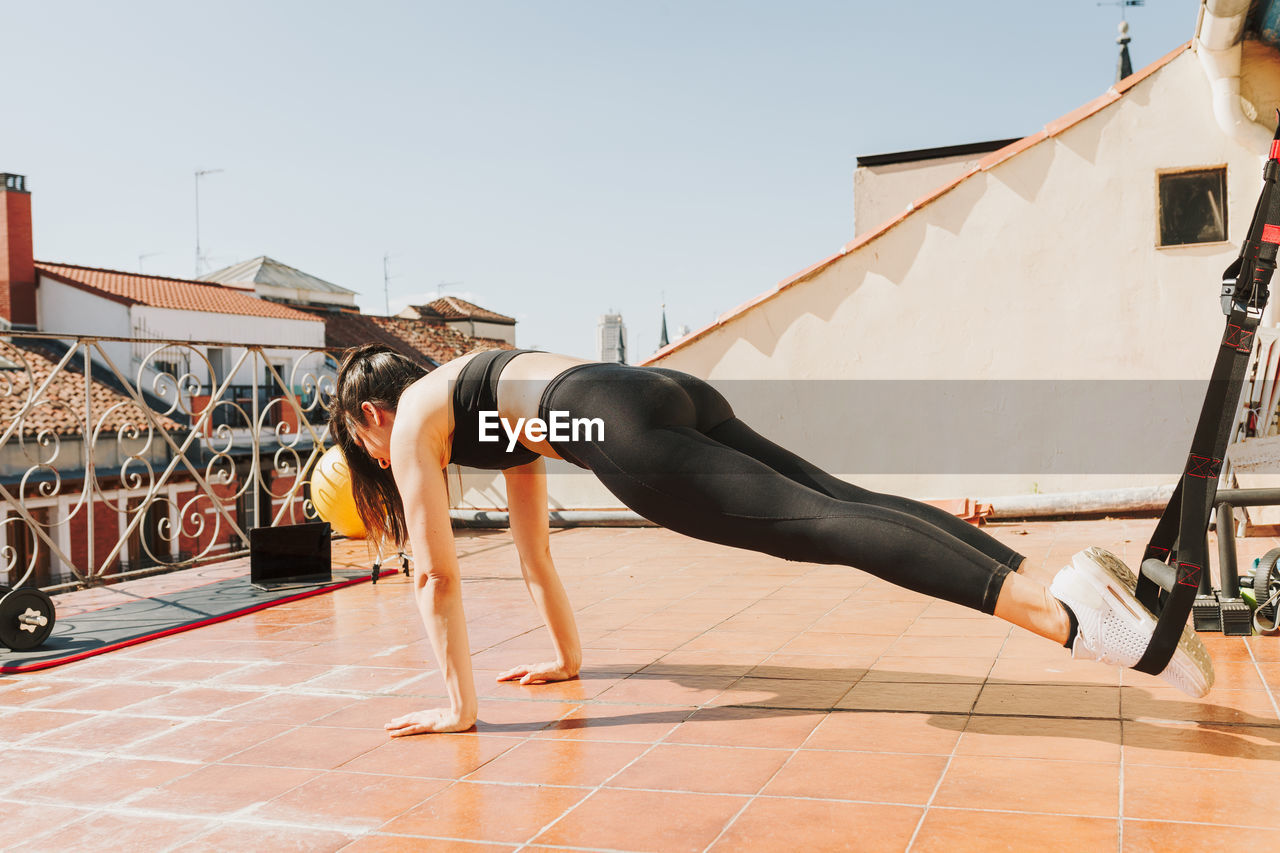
(1193,207)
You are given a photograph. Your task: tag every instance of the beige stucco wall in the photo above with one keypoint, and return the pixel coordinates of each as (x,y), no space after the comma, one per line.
(1260,81)
(882,192)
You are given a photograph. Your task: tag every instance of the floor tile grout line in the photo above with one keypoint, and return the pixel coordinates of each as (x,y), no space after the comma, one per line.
(189,721)
(250,819)
(754,797)
(956,746)
(1120,792)
(606,781)
(924,814)
(1257,666)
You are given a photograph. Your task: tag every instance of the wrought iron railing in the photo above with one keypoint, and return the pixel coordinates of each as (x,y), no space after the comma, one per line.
(127,467)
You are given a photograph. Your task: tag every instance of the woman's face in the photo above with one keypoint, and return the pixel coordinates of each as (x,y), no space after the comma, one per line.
(374,435)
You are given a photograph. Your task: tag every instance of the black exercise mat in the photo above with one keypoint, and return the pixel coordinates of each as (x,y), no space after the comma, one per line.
(86,634)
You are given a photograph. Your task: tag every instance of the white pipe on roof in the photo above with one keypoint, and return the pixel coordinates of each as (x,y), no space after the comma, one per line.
(1219,44)
(1057,504)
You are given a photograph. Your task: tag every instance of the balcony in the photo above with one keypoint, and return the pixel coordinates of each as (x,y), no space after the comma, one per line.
(162,455)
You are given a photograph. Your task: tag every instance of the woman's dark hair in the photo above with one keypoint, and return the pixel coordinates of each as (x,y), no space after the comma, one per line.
(376,374)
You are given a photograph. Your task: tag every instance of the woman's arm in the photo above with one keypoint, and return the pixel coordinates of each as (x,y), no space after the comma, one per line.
(527,507)
(437,584)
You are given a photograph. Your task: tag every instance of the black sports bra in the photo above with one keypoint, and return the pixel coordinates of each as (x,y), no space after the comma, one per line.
(475,391)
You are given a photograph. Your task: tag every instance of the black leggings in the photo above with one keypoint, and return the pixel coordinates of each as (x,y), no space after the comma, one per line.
(673,452)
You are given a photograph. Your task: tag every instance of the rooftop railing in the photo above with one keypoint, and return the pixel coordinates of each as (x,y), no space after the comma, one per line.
(145,461)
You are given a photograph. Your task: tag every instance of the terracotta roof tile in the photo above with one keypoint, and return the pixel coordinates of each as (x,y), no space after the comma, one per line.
(61,407)
(428,342)
(161,292)
(437,342)
(1050,130)
(343,330)
(453,308)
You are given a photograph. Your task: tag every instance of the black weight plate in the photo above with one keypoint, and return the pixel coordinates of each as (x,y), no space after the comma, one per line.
(12,607)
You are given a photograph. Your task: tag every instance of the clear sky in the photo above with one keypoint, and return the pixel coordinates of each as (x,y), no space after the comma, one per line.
(549,159)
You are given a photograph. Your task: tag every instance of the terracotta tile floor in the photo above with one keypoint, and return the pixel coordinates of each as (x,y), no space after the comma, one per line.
(729,701)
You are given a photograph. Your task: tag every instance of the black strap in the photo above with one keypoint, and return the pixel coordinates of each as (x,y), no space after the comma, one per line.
(1181,536)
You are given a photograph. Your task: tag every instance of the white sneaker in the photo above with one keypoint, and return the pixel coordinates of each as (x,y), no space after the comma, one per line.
(1114,626)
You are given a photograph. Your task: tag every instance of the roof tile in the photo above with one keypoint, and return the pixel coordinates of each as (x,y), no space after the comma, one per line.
(61,407)
(453,308)
(437,342)
(161,292)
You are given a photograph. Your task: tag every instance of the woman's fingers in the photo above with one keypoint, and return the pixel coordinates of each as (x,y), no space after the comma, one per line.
(513,674)
(534,673)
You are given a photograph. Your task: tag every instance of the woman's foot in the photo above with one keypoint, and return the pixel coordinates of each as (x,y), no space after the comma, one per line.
(1114,626)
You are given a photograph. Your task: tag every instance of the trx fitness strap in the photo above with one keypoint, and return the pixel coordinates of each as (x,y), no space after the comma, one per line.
(1175,563)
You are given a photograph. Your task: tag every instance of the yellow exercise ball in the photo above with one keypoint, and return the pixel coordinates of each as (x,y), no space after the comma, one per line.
(331,494)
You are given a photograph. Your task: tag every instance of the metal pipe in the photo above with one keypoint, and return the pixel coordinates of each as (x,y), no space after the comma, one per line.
(1228,569)
(1143,499)
(1249,497)
(1219,43)
(1140,499)
(493,518)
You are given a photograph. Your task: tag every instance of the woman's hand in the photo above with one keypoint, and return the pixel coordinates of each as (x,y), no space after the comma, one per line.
(435,720)
(540,673)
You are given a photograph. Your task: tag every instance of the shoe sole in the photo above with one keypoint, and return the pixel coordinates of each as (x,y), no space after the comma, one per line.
(1190,659)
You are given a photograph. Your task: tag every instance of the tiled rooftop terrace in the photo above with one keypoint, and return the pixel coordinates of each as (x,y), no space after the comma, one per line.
(729,701)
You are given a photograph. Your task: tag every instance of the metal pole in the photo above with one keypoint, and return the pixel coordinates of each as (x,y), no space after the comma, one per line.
(197,266)
(200,173)
(93,572)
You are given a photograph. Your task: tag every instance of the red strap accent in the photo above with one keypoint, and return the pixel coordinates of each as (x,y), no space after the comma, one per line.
(1188,574)
(1275,149)
(1271,233)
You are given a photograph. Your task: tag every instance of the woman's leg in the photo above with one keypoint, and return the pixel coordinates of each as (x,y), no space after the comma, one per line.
(657,457)
(736,434)
(733,432)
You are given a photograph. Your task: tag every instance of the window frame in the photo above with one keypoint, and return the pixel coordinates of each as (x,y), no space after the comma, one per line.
(1220,168)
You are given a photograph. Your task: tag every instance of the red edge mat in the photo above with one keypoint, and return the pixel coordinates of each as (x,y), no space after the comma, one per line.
(178,629)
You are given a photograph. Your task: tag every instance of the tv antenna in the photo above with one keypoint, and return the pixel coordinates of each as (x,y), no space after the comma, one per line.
(142,257)
(200,173)
(386,280)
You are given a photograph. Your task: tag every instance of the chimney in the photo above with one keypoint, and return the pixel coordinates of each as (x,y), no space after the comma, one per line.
(17,267)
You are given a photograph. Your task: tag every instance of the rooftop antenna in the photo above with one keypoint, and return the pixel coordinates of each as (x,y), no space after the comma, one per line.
(200,173)
(386,280)
(441,285)
(142,257)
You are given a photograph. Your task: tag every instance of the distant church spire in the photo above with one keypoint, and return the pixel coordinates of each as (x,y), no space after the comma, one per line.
(663,340)
(1124,67)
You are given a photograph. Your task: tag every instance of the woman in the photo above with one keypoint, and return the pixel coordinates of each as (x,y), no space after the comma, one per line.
(670,448)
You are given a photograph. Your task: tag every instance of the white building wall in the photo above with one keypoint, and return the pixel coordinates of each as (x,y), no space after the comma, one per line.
(481,329)
(168,323)
(70,310)
(1043,267)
